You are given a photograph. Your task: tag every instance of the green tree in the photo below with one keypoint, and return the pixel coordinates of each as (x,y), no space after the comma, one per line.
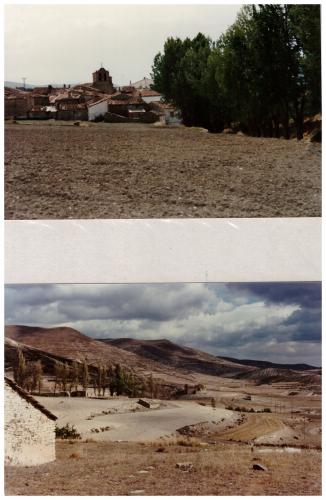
(20,369)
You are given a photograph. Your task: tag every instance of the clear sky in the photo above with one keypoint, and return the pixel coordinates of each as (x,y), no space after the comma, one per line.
(279,322)
(66,43)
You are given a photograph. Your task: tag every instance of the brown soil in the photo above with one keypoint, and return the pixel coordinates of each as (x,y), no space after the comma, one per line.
(142,171)
(114,469)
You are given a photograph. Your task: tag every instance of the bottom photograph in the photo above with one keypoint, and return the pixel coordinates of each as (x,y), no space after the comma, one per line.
(163,389)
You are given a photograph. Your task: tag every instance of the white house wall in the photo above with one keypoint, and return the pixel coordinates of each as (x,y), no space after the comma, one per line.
(29,433)
(98,109)
(152,98)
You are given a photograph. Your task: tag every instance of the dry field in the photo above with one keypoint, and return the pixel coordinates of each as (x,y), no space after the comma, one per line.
(96,468)
(137,452)
(56,170)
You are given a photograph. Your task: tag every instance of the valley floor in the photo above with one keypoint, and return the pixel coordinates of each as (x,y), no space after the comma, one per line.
(98,468)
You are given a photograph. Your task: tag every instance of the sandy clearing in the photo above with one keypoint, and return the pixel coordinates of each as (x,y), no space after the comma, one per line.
(128,426)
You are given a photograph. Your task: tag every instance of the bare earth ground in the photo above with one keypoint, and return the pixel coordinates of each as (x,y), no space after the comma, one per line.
(136,451)
(56,170)
(115,469)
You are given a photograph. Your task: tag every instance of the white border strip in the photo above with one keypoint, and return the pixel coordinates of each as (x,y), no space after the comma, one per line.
(163,250)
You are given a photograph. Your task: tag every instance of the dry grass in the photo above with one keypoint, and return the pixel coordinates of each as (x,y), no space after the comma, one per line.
(113,469)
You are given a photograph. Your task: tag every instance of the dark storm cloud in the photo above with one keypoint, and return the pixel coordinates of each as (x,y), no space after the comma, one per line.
(307,295)
(271,321)
(119,302)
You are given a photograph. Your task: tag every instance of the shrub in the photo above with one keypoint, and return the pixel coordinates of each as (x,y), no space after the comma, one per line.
(267,410)
(66,432)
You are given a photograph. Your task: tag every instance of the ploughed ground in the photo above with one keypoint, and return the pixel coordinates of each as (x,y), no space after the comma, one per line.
(58,170)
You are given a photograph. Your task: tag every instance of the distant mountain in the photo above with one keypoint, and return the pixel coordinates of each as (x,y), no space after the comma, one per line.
(269,364)
(32,86)
(13,85)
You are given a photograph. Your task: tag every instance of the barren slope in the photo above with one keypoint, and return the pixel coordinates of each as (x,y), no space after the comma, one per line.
(162,358)
(198,361)
(70,343)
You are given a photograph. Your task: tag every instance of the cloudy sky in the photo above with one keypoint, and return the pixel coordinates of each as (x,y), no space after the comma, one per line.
(280,322)
(66,43)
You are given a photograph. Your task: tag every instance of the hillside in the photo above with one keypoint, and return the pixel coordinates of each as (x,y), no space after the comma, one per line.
(269,364)
(69,343)
(259,372)
(166,360)
(180,357)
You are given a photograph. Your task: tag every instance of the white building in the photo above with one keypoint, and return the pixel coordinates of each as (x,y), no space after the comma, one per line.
(96,109)
(145,83)
(29,428)
(149,95)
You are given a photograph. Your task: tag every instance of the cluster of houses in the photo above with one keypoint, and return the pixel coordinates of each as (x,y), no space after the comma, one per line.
(91,101)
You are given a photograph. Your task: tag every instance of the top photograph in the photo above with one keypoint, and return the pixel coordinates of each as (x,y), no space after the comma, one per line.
(162,111)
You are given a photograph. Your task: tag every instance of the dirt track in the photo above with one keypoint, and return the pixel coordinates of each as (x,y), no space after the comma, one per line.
(127,425)
(142,171)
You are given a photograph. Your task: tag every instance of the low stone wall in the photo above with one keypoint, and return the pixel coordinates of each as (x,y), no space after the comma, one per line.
(148,117)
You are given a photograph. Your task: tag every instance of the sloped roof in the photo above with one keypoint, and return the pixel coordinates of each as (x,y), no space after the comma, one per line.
(162,105)
(126,102)
(23,394)
(93,103)
(148,93)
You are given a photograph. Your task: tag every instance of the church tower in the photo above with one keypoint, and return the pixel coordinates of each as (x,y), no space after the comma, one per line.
(103,81)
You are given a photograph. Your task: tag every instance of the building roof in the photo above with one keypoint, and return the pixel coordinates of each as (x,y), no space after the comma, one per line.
(23,394)
(162,105)
(93,103)
(148,93)
(130,101)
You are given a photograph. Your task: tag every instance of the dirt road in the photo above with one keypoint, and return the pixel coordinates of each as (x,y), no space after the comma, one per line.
(127,425)
(141,171)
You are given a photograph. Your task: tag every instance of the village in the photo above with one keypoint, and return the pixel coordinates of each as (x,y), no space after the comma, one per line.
(96,101)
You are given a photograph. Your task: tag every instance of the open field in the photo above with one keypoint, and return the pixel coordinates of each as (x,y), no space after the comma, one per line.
(56,170)
(102,468)
(126,449)
(128,421)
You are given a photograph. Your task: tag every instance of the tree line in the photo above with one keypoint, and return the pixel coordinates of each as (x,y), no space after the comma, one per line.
(262,76)
(69,377)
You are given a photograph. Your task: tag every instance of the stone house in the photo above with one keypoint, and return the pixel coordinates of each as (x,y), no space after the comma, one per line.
(77,112)
(16,106)
(29,428)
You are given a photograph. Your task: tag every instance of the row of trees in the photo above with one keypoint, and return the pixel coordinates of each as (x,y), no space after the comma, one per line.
(71,376)
(28,374)
(263,74)
(116,379)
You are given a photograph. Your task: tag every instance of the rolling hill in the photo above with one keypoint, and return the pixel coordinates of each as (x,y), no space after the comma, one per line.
(163,358)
